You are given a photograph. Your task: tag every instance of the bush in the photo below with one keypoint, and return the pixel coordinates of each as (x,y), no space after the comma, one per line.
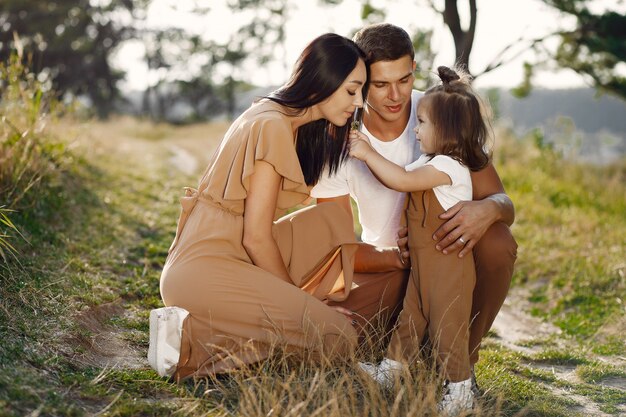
(27,152)
(32,160)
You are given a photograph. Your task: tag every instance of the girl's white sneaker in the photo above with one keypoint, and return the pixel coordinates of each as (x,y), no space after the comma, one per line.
(385,373)
(166,329)
(458,397)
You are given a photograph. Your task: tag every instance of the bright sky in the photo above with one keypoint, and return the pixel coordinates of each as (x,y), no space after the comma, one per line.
(500,23)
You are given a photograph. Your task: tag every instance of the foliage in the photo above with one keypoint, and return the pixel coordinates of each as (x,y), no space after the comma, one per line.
(371,14)
(30,159)
(168,53)
(6,226)
(596,47)
(69,43)
(27,156)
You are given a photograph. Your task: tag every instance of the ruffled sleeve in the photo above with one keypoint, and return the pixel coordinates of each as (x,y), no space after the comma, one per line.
(264,137)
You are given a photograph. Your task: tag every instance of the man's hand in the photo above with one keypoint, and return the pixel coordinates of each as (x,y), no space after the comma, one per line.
(467,223)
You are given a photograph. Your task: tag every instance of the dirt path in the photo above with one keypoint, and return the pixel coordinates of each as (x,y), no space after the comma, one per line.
(183,160)
(516,329)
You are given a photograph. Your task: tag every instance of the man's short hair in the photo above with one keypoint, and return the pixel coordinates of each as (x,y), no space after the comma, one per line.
(384,42)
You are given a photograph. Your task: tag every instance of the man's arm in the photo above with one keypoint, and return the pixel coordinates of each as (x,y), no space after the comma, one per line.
(471,219)
(369,258)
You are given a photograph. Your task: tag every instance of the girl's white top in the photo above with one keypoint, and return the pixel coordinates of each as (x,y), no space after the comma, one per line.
(461,187)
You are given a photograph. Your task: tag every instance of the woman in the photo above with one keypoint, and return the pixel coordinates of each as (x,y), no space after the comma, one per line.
(237,282)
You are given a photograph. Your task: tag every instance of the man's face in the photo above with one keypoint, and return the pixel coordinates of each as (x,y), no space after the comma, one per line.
(391,84)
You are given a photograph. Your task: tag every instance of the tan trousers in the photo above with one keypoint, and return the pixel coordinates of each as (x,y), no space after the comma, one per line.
(447,294)
(376,299)
(494,256)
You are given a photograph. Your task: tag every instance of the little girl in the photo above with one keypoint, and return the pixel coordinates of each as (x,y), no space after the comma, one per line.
(452,133)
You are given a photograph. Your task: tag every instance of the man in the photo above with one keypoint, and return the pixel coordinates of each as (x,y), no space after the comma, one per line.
(481,225)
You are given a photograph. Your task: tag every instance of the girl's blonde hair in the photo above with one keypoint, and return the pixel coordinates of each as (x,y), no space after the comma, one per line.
(458,116)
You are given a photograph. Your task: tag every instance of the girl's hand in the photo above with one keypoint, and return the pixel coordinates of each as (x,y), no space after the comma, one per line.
(403,248)
(359,145)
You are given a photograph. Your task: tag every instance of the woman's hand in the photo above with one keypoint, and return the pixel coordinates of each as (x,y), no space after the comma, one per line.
(350,315)
(360,145)
(343,311)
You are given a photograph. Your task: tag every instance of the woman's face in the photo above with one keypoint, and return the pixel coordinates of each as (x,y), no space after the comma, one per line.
(340,106)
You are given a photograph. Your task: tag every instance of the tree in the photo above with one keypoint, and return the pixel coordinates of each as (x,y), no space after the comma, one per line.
(268,23)
(463,39)
(69,43)
(595,48)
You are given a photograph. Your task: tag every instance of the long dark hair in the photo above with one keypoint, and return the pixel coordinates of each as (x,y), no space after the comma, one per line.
(458,115)
(321,68)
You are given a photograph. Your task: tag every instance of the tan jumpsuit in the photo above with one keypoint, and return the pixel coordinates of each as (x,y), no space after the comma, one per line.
(438,301)
(238,311)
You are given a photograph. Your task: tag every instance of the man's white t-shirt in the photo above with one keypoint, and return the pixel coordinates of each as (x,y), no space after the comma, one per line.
(379,207)
(460,188)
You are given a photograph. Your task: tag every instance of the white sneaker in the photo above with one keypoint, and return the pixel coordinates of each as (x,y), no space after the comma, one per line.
(458,397)
(385,373)
(166,329)
(475,388)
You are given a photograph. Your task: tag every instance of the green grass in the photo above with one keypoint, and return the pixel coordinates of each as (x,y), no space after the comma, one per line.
(502,373)
(595,372)
(570,225)
(560,357)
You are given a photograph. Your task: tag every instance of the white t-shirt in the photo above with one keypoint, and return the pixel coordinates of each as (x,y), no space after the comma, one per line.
(379,207)
(461,187)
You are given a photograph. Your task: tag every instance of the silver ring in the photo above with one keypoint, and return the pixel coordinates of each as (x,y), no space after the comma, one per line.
(461,240)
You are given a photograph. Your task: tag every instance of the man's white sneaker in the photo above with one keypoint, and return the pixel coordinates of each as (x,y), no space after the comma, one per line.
(457,398)
(166,328)
(385,373)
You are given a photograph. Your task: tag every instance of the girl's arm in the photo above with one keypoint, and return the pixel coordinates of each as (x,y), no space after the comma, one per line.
(258,219)
(392,175)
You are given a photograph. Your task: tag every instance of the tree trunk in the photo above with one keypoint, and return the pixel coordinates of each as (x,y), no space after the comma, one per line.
(463,39)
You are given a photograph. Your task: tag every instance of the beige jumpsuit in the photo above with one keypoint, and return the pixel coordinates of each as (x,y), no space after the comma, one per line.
(438,301)
(238,311)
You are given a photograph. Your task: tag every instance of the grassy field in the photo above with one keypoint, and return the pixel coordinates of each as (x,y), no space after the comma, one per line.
(97,207)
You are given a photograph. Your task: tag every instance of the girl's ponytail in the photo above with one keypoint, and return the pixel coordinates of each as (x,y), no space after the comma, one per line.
(447,75)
